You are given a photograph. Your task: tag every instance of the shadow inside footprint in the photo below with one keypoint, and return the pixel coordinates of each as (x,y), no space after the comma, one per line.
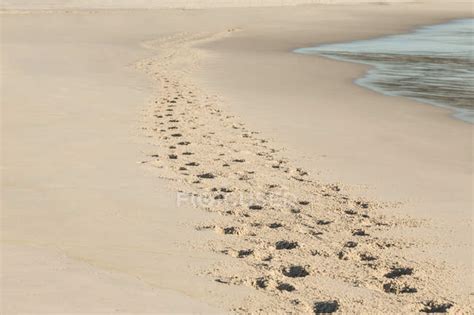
(351,212)
(295,271)
(261,283)
(244,253)
(323,222)
(367,257)
(436,307)
(230,230)
(325,307)
(206,175)
(275,225)
(397,272)
(286,287)
(359,232)
(363,205)
(286,245)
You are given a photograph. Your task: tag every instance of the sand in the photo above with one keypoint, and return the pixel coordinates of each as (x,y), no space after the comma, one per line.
(127,183)
(167,4)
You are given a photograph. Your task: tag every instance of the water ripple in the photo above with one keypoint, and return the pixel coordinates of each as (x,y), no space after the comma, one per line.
(434,64)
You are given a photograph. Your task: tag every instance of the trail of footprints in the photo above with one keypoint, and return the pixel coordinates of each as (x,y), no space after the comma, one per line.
(281,225)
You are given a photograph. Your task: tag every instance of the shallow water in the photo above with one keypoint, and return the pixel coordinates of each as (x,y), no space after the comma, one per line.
(434,64)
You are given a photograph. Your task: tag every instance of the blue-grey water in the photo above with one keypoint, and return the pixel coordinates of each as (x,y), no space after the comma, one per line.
(434,64)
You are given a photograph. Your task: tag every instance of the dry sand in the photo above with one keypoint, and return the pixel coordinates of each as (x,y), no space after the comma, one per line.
(90,169)
(160,4)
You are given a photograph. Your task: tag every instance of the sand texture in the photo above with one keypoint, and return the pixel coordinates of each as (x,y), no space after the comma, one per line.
(187,161)
(301,241)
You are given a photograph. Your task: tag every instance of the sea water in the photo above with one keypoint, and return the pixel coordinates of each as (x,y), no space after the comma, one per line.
(433,64)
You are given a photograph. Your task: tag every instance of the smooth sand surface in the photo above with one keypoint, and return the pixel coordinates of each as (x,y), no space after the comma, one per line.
(71,182)
(82,216)
(154,4)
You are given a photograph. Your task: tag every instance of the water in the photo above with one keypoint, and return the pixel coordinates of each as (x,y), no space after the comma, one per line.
(434,64)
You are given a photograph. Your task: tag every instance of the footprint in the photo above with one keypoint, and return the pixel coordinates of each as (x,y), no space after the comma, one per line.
(325,307)
(295,271)
(275,225)
(359,232)
(367,257)
(301,172)
(436,307)
(363,205)
(350,212)
(316,252)
(206,175)
(323,222)
(184,143)
(397,288)
(350,244)
(231,230)
(285,287)
(261,283)
(255,207)
(192,164)
(398,272)
(172,156)
(244,253)
(286,245)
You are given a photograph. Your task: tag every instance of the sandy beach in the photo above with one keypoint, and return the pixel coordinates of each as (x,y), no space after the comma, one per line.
(157,159)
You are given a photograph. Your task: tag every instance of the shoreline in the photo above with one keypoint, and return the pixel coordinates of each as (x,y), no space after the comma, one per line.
(459,113)
(138,259)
